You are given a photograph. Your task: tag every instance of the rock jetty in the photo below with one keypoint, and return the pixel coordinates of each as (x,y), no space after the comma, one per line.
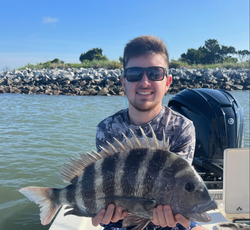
(107,82)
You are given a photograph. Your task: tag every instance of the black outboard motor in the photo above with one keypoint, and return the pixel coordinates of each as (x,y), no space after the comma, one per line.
(218,119)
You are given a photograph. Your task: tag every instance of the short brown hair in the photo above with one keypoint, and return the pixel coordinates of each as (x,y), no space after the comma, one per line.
(145,44)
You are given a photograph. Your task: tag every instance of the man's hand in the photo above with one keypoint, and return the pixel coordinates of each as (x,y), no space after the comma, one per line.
(163,216)
(112,214)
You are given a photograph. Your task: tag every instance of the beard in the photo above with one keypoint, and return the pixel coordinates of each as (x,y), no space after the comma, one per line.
(143,107)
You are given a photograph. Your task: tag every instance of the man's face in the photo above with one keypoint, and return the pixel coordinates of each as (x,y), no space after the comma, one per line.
(146,95)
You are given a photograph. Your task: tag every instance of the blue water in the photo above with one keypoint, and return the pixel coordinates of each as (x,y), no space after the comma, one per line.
(37,135)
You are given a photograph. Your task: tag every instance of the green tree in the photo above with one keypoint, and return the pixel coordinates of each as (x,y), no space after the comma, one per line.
(95,53)
(212,52)
(225,51)
(243,55)
(56,60)
(121,59)
(193,56)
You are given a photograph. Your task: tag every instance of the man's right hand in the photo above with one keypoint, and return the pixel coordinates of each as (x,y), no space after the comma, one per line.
(163,216)
(112,214)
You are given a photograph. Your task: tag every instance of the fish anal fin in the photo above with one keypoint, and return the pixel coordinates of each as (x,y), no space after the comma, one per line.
(132,220)
(77,212)
(40,196)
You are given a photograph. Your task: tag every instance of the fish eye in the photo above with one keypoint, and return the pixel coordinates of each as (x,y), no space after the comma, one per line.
(189,187)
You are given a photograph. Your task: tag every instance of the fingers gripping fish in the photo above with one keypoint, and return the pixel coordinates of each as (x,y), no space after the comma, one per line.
(137,174)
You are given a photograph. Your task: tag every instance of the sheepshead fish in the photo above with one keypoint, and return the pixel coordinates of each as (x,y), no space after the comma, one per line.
(137,174)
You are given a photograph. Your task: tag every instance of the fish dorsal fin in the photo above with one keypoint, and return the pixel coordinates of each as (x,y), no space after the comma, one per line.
(105,151)
(128,142)
(167,145)
(112,147)
(156,144)
(136,140)
(120,144)
(75,166)
(145,138)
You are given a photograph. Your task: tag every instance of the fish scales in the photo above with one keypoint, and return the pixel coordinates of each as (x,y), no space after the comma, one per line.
(131,167)
(88,192)
(157,163)
(137,173)
(119,173)
(108,172)
(71,194)
(55,195)
(78,195)
(63,195)
(99,184)
(142,174)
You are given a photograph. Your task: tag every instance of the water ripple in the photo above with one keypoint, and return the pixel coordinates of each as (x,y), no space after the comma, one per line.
(38,133)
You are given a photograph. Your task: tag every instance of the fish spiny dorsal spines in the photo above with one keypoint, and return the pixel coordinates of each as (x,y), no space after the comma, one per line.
(105,151)
(112,147)
(167,144)
(76,166)
(120,144)
(156,144)
(129,144)
(145,138)
(99,156)
(163,144)
(94,158)
(163,137)
(137,142)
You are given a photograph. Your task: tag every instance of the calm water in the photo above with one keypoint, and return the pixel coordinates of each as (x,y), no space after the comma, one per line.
(37,135)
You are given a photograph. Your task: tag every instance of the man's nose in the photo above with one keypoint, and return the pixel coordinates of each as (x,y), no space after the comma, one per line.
(145,80)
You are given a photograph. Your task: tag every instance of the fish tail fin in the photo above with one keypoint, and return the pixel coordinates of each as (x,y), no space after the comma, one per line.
(40,195)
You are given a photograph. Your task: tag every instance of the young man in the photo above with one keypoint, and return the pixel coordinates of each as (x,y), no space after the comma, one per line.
(145,81)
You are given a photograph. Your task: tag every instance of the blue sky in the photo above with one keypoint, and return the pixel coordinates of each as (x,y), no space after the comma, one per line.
(33,31)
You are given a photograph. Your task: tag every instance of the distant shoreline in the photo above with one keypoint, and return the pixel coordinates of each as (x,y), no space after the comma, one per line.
(105,82)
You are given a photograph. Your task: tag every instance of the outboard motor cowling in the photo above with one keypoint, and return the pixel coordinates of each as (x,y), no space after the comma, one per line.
(218,119)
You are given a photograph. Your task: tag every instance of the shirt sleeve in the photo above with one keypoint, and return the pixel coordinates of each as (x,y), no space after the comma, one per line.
(102,135)
(109,128)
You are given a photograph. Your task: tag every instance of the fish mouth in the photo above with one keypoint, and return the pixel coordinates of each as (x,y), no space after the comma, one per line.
(201,209)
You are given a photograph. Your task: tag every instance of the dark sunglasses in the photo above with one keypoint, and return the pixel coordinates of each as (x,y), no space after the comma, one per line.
(154,73)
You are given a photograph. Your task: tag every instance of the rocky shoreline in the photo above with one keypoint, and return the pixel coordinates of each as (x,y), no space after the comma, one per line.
(107,82)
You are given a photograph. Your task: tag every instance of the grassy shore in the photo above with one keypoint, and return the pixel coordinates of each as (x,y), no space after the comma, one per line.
(117,65)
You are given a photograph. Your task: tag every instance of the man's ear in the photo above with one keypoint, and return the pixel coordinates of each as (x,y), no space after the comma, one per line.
(168,83)
(122,79)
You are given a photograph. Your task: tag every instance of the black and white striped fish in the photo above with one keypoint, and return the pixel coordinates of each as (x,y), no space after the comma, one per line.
(137,174)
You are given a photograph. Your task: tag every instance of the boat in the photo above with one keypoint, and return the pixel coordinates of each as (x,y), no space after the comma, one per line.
(219,158)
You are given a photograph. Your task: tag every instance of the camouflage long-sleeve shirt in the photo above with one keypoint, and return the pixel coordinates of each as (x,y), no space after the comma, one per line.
(177,128)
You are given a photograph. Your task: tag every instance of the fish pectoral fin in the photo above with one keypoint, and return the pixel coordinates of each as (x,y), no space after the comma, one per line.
(149,204)
(132,220)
